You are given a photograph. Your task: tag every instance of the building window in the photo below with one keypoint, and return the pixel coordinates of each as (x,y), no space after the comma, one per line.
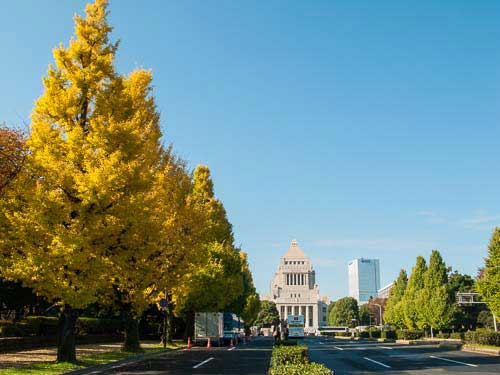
(282,309)
(289,310)
(296,310)
(324,309)
(324,318)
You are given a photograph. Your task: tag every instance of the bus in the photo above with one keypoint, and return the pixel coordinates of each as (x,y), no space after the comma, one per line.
(295,326)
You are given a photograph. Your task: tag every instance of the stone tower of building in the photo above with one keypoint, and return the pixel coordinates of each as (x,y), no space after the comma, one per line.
(294,289)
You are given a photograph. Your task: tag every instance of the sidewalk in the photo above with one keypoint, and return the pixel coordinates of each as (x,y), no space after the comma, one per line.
(32,356)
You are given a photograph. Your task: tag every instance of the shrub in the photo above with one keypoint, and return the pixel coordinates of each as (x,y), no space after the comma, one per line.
(289,355)
(409,335)
(457,335)
(374,334)
(364,334)
(11,330)
(287,342)
(482,337)
(43,325)
(343,334)
(301,369)
(95,326)
(390,334)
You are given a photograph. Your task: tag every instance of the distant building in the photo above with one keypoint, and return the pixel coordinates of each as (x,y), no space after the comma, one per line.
(294,289)
(364,279)
(384,292)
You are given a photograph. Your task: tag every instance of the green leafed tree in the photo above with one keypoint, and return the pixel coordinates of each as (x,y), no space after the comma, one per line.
(268,314)
(415,285)
(345,312)
(435,306)
(394,312)
(489,282)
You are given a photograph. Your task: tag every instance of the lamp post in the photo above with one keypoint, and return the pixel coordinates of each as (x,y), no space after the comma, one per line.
(380,314)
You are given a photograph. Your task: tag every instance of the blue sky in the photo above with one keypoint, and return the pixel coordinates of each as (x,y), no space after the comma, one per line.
(360,128)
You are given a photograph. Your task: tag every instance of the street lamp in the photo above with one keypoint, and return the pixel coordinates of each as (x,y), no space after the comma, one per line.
(380,314)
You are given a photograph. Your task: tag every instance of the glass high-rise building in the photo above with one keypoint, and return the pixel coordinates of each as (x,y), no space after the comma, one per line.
(364,279)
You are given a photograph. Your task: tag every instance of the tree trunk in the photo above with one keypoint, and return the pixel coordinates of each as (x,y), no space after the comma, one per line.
(432,333)
(66,345)
(131,325)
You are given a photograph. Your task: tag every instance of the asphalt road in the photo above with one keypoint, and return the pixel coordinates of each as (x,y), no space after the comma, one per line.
(250,358)
(343,356)
(364,357)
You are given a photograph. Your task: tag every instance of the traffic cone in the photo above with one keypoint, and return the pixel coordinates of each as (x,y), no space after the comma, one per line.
(189,346)
(231,343)
(209,345)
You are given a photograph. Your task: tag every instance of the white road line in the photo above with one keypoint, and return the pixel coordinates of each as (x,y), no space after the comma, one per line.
(234,347)
(385,347)
(321,343)
(337,347)
(378,363)
(202,363)
(451,360)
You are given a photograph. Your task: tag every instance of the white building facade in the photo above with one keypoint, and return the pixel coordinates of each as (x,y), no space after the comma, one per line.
(294,289)
(364,279)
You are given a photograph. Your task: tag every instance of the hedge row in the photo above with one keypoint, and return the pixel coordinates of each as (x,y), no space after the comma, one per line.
(47,326)
(293,354)
(409,335)
(293,360)
(301,369)
(451,335)
(482,337)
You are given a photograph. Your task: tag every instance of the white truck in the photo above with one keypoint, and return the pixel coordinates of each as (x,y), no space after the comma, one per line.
(220,327)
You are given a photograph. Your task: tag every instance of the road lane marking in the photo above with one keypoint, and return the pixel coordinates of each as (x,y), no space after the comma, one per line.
(451,360)
(377,362)
(321,343)
(234,347)
(339,348)
(202,363)
(385,347)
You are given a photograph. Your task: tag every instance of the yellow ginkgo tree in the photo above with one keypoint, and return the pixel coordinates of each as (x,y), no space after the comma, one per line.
(89,225)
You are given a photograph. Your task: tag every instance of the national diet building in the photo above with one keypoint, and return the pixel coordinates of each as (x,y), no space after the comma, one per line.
(294,289)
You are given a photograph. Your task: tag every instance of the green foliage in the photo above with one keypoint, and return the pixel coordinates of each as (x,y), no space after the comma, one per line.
(287,342)
(97,326)
(458,282)
(435,307)
(482,337)
(301,369)
(485,319)
(267,315)
(394,310)
(409,301)
(343,312)
(43,325)
(364,315)
(294,354)
(409,334)
(388,334)
(489,282)
(8,329)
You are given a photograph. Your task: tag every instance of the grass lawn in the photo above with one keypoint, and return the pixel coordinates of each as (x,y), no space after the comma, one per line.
(53,368)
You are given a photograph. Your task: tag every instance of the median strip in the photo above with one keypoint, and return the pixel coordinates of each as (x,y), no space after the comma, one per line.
(377,362)
(451,360)
(202,363)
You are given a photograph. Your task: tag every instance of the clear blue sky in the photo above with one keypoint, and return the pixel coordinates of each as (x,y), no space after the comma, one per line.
(360,128)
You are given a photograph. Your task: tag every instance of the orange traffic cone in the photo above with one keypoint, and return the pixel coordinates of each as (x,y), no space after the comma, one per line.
(189,346)
(209,345)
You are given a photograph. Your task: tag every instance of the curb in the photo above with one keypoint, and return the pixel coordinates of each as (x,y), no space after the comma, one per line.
(99,369)
(475,349)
